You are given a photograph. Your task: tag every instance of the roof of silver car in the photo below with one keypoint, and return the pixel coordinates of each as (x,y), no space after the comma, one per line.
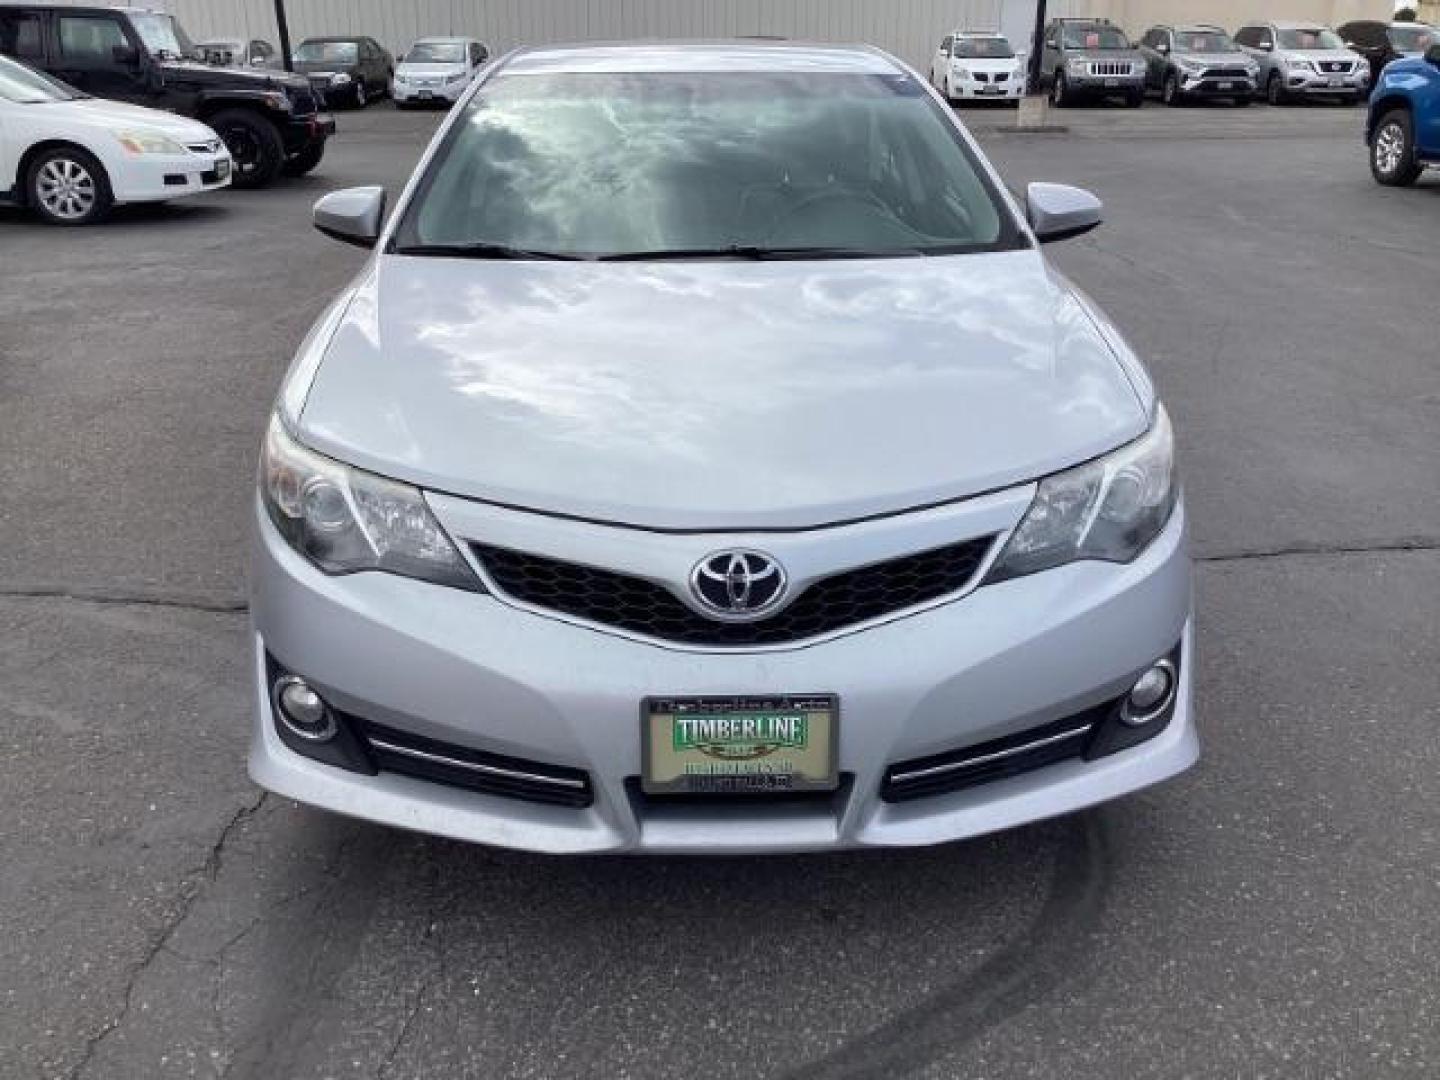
(720,56)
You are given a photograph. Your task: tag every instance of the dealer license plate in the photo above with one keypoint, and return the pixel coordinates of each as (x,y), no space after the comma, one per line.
(1112,82)
(739,745)
(990,90)
(424,95)
(1223,86)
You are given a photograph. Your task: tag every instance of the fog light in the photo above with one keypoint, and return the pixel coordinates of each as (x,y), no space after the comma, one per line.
(303,711)
(1151,695)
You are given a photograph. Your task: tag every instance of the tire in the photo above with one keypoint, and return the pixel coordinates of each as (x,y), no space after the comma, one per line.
(254,144)
(358,99)
(67,186)
(305,161)
(1135,99)
(1242,102)
(1392,150)
(1275,92)
(1170,92)
(1059,92)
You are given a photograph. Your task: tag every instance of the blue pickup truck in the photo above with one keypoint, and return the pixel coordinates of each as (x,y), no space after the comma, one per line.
(1403,127)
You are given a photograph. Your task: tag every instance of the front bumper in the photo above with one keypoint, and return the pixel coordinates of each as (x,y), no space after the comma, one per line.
(478,672)
(1087,82)
(406,94)
(154,177)
(1325,83)
(301,132)
(1224,86)
(972,89)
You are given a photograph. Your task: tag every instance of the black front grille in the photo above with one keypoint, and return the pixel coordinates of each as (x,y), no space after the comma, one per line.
(459,766)
(1226,73)
(645,607)
(1334,65)
(980,76)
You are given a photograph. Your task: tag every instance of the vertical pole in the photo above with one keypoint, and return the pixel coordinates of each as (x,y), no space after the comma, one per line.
(284,26)
(1037,44)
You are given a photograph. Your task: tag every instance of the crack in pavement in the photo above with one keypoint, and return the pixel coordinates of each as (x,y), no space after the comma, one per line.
(218,603)
(1051,951)
(190,891)
(1377,547)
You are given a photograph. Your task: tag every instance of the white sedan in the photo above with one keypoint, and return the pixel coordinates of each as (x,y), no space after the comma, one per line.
(70,157)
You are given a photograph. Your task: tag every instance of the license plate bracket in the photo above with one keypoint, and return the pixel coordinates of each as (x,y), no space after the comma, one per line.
(741,745)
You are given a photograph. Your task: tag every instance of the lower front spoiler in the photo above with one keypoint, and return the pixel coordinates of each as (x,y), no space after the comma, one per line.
(726,828)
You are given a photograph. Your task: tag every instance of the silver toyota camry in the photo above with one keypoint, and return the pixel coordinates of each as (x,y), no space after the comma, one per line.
(708,460)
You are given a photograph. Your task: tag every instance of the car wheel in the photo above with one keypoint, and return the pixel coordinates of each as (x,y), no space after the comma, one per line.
(1059,92)
(1242,102)
(1275,90)
(1170,93)
(254,144)
(67,186)
(359,100)
(1392,150)
(306,160)
(1135,99)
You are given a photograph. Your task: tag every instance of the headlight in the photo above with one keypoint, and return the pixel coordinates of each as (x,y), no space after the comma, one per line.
(339,79)
(344,520)
(962,72)
(148,142)
(1299,65)
(1192,66)
(1077,64)
(279,101)
(1108,509)
(457,77)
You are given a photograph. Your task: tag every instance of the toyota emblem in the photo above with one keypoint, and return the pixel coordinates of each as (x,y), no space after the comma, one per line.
(738,585)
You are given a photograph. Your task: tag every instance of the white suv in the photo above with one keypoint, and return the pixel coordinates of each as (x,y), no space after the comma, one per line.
(978,66)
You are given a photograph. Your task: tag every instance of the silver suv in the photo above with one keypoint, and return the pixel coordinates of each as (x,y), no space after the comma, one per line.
(1091,58)
(1300,60)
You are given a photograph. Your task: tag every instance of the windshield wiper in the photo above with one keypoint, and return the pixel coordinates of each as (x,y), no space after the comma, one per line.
(758,253)
(483,250)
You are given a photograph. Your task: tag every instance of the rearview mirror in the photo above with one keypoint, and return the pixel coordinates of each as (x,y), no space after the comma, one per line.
(352,216)
(1058,211)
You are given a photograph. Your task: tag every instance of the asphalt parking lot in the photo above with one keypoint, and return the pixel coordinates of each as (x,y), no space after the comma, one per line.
(1270,914)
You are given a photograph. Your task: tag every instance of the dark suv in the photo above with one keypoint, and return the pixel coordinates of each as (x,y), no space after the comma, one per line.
(270,120)
(1091,58)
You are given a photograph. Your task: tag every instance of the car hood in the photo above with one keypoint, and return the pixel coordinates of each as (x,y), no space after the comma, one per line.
(1238,59)
(430,69)
(208,76)
(719,394)
(118,114)
(323,67)
(1322,54)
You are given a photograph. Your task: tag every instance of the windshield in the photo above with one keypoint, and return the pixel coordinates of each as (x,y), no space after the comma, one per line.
(436,52)
(1203,41)
(1411,39)
(604,164)
(1313,38)
(162,35)
(328,52)
(23,85)
(1095,37)
(983,48)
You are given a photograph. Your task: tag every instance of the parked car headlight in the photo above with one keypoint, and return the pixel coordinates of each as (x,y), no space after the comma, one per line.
(148,142)
(1107,509)
(1252,68)
(1299,65)
(960,71)
(1077,64)
(1191,66)
(339,79)
(458,77)
(344,520)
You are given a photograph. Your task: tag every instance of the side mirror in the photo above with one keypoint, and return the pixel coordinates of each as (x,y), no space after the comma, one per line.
(127,55)
(1058,211)
(1266,46)
(352,216)
(1163,49)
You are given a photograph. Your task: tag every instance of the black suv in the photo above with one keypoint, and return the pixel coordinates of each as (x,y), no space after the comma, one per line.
(270,120)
